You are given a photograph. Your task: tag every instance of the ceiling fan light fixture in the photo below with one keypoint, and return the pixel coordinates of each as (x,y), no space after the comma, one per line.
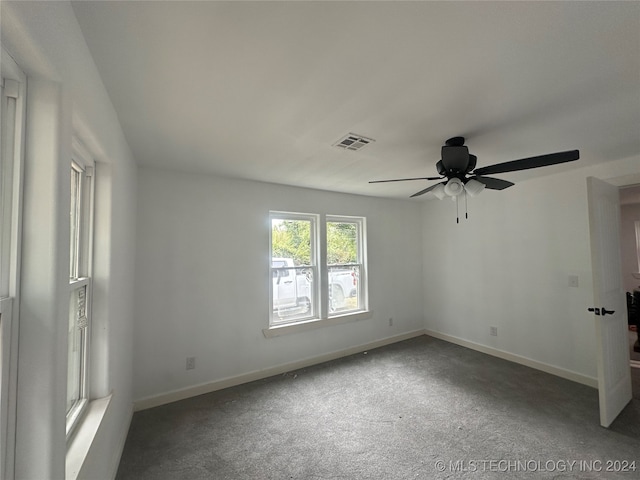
(438,191)
(454,187)
(474,187)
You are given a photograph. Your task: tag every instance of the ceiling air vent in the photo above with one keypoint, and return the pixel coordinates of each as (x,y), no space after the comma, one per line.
(353,141)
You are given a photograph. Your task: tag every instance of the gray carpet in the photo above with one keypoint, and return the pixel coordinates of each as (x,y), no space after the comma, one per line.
(418,409)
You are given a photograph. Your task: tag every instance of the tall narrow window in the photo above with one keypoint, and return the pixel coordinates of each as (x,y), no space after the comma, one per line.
(294,269)
(12,110)
(80,254)
(345,265)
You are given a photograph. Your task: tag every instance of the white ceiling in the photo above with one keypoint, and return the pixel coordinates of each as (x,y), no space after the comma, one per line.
(262,90)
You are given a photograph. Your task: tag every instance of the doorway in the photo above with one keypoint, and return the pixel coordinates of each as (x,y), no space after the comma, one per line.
(630,257)
(615,371)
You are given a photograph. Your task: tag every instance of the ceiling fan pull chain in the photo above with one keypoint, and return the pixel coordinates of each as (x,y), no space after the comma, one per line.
(457,216)
(466,210)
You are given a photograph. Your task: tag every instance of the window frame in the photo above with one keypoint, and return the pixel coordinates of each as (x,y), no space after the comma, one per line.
(81,274)
(323,316)
(13,112)
(314,262)
(361,264)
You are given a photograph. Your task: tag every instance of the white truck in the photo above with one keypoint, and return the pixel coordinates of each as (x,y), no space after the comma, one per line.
(343,284)
(292,287)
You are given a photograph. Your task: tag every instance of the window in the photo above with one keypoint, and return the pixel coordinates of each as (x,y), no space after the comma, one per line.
(12,107)
(304,289)
(345,264)
(293,268)
(80,265)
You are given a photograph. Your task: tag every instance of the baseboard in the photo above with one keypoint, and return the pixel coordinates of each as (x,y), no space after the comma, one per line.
(512,357)
(181,394)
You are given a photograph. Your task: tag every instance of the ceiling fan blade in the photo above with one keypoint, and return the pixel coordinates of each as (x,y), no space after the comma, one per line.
(426,190)
(531,162)
(406,179)
(494,183)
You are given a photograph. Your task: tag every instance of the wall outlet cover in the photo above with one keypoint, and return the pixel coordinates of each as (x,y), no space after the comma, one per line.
(191,363)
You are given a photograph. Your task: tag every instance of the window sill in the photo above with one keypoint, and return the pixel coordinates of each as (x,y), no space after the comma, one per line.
(307,325)
(80,443)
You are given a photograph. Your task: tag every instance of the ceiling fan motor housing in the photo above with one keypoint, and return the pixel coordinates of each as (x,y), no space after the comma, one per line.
(455,159)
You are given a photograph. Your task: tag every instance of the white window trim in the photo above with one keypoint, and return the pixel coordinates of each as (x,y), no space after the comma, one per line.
(81,160)
(80,443)
(7,382)
(362,261)
(323,319)
(14,86)
(305,326)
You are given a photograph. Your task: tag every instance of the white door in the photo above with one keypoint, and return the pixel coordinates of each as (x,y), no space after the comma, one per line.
(612,344)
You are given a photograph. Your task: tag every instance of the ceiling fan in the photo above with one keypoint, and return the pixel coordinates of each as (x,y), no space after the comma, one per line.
(458,168)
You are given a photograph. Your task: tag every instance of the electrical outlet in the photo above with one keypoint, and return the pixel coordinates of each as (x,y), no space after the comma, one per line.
(493,331)
(391,322)
(191,363)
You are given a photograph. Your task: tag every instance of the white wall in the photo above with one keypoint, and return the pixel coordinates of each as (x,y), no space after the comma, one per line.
(202,277)
(65,96)
(629,214)
(509,266)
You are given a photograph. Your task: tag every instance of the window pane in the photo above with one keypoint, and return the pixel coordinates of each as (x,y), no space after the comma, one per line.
(74,252)
(342,243)
(291,239)
(344,289)
(292,294)
(293,273)
(76,337)
(7,233)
